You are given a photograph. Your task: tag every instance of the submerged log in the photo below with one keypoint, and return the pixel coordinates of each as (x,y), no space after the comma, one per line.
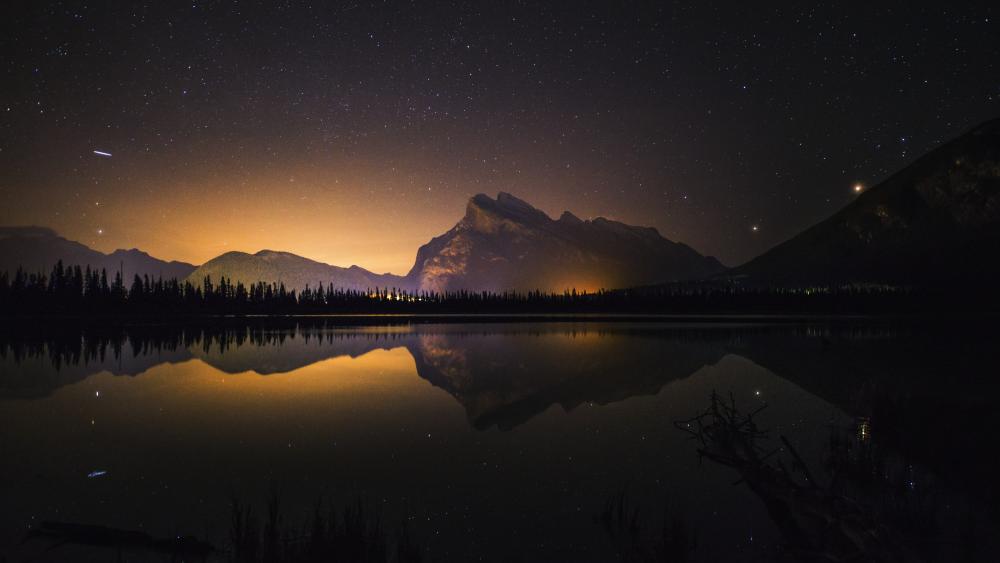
(817,523)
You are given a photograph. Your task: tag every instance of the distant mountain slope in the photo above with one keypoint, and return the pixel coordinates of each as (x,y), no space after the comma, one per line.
(500,244)
(294,271)
(37,249)
(935,222)
(505,243)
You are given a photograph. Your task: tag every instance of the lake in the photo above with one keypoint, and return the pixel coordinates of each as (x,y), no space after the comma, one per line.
(499,441)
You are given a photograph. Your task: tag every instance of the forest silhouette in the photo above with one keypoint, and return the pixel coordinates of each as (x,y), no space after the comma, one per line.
(76,291)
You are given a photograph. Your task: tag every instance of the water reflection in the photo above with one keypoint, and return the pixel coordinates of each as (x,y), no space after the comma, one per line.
(501,375)
(500,442)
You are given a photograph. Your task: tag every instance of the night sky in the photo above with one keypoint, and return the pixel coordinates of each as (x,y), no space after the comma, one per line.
(352,133)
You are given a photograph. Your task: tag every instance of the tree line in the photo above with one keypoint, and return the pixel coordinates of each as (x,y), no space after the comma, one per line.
(82,291)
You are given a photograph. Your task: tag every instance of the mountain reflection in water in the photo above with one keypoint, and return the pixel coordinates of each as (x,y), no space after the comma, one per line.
(470,452)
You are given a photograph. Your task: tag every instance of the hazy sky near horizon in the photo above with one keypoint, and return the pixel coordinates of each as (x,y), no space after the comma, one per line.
(352,133)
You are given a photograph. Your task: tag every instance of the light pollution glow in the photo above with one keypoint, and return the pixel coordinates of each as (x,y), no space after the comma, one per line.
(342,213)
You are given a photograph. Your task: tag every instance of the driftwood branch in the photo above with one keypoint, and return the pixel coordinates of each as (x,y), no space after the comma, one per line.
(816,522)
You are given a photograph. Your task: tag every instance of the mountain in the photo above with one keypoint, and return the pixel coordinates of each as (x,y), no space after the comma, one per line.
(539,369)
(290,269)
(500,244)
(37,249)
(934,223)
(505,243)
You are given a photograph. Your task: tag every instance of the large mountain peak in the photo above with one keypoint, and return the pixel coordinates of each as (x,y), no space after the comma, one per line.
(506,243)
(503,202)
(509,201)
(506,212)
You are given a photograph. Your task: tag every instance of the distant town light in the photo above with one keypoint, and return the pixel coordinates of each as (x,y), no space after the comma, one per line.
(864,429)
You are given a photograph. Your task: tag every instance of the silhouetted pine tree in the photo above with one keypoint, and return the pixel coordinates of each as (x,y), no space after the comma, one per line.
(76,291)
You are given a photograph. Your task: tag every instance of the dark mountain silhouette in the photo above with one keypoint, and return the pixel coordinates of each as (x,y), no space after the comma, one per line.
(294,271)
(505,244)
(509,388)
(936,222)
(284,355)
(508,378)
(502,376)
(37,249)
(501,244)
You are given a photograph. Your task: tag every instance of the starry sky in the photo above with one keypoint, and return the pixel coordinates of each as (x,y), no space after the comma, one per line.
(353,132)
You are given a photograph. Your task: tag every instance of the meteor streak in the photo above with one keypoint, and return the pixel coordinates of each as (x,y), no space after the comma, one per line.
(102,153)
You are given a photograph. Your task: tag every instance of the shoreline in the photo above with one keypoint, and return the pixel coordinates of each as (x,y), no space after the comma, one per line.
(355,319)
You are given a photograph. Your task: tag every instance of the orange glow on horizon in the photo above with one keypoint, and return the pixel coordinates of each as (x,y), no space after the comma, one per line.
(339,211)
(341,219)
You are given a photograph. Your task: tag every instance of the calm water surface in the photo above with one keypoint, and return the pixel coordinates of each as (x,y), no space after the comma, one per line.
(489,442)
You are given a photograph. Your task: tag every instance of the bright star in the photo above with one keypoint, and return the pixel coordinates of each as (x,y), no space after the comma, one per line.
(858,188)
